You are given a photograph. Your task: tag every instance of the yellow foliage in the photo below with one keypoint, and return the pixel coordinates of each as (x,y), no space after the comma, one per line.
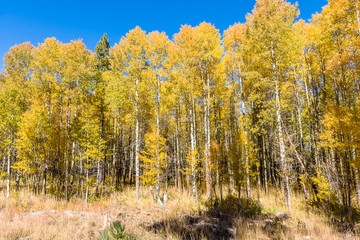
(324,187)
(153,158)
(192,160)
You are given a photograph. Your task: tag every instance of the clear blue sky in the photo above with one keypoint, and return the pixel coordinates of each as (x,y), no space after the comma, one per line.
(22,21)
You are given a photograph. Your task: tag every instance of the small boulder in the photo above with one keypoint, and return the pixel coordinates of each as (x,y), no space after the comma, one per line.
(282,216)
(270,226)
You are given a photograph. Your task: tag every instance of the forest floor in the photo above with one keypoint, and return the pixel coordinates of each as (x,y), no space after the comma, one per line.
(42,217)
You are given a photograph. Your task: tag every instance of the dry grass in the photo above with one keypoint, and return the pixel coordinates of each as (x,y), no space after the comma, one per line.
(40,217)
(300,225)
(43,217)
(26,216)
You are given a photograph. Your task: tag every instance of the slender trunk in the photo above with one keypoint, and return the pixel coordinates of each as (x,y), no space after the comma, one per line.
(357,182)
(265,166)
(3,167)
(231,179)
(193,150)
(81,175)
(131,155)
(245,152)
(152,194)
(17,179)
(157,140)
(3,160)
(299,121)
(188,184)
(357,14)
(356,175)
(280,133)
(208,180)
(28,185)
(239,199)
(165,193)
(306,198)
(348,180)
(101,160)
(335,174)
(8,174)
(114,170)
(87,180)
(309,101)
(66,177)
(137,141)
(44,181)
(177,136)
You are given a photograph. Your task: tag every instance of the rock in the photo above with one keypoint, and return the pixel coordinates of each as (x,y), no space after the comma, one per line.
(188,219)
(270,226)
(282,216)
(202,223)
(275,225)
(344,226)
(209,230)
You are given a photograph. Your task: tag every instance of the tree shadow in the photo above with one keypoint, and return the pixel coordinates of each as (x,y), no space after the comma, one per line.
(218,221)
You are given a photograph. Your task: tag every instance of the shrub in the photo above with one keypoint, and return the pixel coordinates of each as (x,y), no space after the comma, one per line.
(115,231)
(229,205)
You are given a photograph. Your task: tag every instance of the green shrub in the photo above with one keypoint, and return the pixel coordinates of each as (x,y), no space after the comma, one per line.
(115,231)
(229,205)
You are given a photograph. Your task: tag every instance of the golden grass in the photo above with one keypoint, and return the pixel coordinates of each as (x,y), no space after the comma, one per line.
(26,216)
(302,225)
(43,217)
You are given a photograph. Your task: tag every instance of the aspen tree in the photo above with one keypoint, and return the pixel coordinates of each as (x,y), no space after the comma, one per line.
(158,44)
(132,51)
(270,29)
(14,99)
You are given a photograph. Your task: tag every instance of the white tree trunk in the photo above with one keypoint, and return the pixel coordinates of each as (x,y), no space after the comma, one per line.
(245,152)
(157,140)
(192,139)
(280,133)
(137,164)
(8,175)
(357,14)
(208,179)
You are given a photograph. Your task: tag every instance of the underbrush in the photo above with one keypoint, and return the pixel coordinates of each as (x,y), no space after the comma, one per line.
(336,211)
(264,216)
(116,231)
(230,205)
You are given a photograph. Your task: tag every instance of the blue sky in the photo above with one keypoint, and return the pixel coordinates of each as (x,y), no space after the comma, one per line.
(33,21)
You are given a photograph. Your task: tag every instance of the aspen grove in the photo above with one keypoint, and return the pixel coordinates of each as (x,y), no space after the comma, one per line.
(270,103)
